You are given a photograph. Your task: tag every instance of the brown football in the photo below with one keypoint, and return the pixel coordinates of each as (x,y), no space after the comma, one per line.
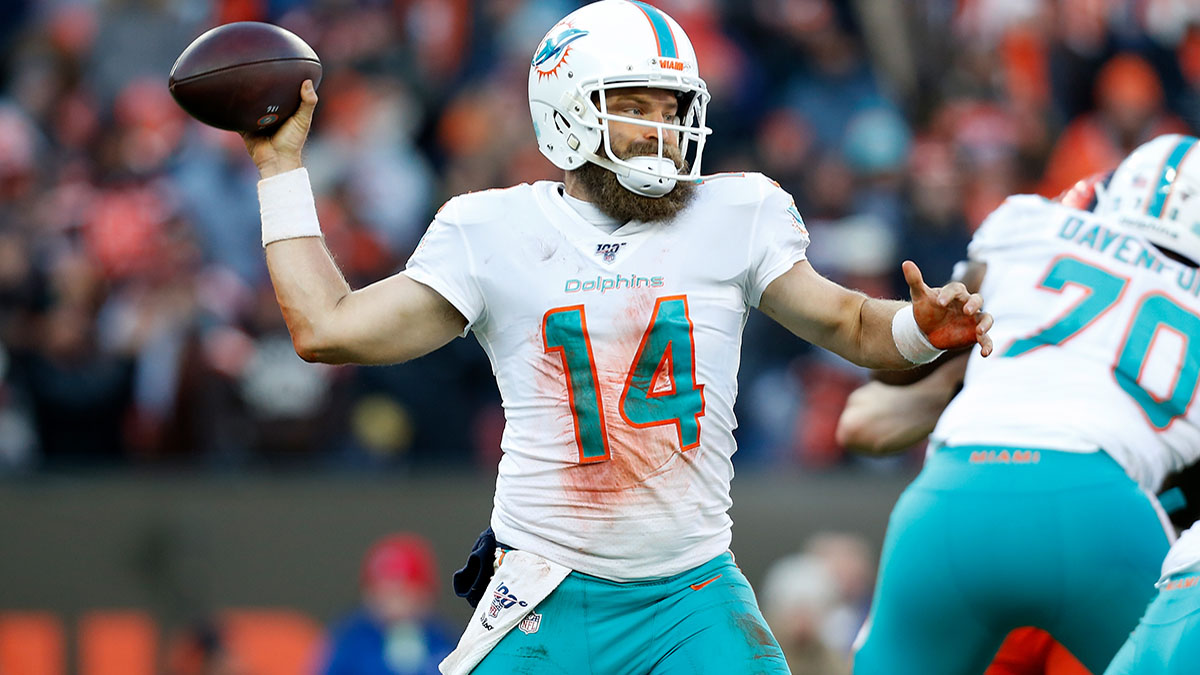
(243,76)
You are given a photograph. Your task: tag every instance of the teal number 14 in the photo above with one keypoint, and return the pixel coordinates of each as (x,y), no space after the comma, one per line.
(666,355)
(1154,312)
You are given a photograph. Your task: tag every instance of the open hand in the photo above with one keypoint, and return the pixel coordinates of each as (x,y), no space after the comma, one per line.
(949,316)
(281,152)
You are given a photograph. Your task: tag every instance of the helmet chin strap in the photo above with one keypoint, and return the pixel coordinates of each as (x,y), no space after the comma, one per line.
(645,177)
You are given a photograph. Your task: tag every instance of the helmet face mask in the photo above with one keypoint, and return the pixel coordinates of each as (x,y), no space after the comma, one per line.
(607,45)
(1156,191)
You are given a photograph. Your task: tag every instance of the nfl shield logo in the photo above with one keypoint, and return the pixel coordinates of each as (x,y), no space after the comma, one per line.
(530,623)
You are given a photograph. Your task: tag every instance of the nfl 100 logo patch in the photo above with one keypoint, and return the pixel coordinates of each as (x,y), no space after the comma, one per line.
(608,251)
(502,598)
(530,623)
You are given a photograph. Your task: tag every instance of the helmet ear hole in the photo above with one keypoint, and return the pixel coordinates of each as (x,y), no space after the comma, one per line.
(563,124)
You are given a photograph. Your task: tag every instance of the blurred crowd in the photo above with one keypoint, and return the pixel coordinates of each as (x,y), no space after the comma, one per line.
(814,599)
(137,324)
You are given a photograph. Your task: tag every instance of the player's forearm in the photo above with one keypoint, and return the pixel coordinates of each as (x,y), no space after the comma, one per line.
(871,343)
(881,419)
(846,322)
(309,288)
(308,284)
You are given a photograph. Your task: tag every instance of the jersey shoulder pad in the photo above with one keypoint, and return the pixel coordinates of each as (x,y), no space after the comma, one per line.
(484,206)
(1016,222)
(1018,205)
(743,187)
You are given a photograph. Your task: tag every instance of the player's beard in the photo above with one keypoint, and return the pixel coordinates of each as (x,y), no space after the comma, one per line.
(618,202)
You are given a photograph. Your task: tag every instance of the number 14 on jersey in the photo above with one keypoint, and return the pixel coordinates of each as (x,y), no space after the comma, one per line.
(666,353)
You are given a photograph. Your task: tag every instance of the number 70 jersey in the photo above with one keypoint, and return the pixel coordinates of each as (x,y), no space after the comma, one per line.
(1097,339)
(616,356)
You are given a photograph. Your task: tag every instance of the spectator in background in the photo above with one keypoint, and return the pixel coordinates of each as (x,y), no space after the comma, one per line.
(274,406)
(78,389)
(815,600)
(202,649)
(849,557)
(935,228)
(799,595)
(1129,111)
(394,632)
(834,80)
(1189,66)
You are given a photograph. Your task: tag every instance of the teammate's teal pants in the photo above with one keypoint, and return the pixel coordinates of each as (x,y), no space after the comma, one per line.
(1167,640)
(705,620)
(986,540)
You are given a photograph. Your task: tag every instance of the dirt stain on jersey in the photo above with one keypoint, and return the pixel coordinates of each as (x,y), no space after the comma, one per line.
(643,463)
(636,457)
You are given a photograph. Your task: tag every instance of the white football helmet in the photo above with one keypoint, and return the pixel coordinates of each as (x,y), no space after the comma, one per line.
(1156,191)
(607,45)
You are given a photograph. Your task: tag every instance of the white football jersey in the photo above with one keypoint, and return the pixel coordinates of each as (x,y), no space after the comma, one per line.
(1097,339)
(616,356)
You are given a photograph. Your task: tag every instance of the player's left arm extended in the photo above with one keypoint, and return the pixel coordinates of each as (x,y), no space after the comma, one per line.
(859,328)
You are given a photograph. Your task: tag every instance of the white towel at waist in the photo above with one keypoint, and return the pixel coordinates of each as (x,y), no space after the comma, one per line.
(522,580)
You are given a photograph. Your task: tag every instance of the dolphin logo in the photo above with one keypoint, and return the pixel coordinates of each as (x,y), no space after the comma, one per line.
(554,45)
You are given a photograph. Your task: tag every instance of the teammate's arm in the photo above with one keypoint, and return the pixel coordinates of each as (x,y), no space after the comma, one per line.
(859,328)
(393,320)
(881,419)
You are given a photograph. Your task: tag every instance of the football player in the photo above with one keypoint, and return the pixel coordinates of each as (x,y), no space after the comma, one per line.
(1035,506)
(611,305)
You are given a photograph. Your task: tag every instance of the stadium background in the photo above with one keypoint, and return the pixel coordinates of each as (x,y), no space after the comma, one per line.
(163,450)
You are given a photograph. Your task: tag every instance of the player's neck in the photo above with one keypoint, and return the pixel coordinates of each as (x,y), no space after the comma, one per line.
(591,213)
(575,188)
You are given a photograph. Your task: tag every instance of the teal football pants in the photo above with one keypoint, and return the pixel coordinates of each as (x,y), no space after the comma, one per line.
(1167,640)
(705,620)
(990,539)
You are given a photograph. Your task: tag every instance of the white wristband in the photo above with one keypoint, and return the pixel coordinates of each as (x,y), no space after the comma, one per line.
(287,207)
(910,340)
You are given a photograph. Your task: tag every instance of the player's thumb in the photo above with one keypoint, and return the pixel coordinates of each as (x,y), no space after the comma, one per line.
(308,103)
(912,275)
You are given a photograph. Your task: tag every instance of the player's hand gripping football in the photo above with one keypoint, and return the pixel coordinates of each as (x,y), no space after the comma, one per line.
(281,152)
(949,316)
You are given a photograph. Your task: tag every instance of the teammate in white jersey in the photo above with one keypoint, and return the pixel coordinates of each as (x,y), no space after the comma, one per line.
(611,306)
(1035,506)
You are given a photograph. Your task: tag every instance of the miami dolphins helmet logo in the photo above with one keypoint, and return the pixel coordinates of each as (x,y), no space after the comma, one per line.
(554,50)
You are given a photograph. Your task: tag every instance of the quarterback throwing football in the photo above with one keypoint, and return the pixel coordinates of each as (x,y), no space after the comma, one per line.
(611,305)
